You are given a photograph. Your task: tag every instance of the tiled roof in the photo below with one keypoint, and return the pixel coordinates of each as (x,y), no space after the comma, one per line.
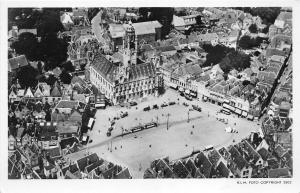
(180,170)
(224,153)
(148,27)
(56,92)
(72,168)
(191,167)
(93,166)
(111,172)
(54,152)
(124,174)
(250,150)
(166,48)
(214,157)
(273,162)
(140,71)
(83,162)
(222,170)
(104,67)
(67,104)
(279,150)
(203,163)
(264,153)
(16,62)
(149,173)
(237,157)
(68,142)
(164,168)
(279,173)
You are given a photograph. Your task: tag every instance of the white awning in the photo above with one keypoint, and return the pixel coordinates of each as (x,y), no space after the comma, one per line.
(226,101)
(187,91)
(238,111)
(226,106)
(250,116)
(100,105)
(173,85)
(193,94)
(244,113)
(270,112)
(84,138)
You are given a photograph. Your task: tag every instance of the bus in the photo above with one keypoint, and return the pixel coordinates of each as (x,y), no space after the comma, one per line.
(100,101)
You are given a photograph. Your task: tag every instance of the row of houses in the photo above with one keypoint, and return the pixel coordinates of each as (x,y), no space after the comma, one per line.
(250,158)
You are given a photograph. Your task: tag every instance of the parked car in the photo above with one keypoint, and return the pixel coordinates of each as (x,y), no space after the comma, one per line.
(122,104)
(188,97)
(155,106)
(125,114)
(164,105)
(197,108)
(185,104)
(147,108)
(110,129)
(150,125)
(108,134)
(226,112)
(133,103)
(172,103)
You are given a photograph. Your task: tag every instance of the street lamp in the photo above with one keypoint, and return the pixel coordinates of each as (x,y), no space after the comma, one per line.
(168,121)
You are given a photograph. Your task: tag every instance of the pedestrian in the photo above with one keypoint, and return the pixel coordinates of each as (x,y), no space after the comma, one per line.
(121,146)
(150,145)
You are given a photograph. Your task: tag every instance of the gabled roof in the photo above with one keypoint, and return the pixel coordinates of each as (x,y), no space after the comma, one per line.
(203,163)
(67,104)
(104,67)
(237,157)
(191,167)
(140,71)
(17,62)
(111,172)
(222,170)
(56,91)
(180,170)
(214,157)
(54,152)
(93,166)
(71,168)
(28,93)
(124,174)
(279,173)
(68,142)
(83,162)
(264,153)
(279,150)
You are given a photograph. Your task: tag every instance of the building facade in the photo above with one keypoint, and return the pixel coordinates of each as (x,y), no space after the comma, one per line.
(126,80)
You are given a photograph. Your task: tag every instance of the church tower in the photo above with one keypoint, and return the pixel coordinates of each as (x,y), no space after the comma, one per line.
(129,53)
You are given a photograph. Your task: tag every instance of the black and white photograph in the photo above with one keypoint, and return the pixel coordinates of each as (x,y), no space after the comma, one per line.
(150,92)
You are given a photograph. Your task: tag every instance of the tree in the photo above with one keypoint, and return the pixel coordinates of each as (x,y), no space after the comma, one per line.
(235,60)
(215,53)
(28,45)
(65,77)
(27,76)
(253,28)
(162,14)
(68,66)
(246,42)
(51,80)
